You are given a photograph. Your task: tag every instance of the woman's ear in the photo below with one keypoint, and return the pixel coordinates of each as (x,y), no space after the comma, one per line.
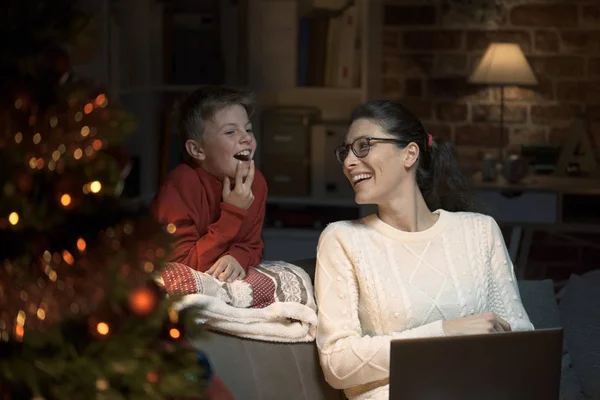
(195,150)
(411,152)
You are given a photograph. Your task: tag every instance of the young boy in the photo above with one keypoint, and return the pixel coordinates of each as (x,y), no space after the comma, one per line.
(216,198)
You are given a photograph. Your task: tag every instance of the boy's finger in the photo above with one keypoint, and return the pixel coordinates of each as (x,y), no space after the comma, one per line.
(234,275)
(239,178)
(250,177)
(226,186)
(226,273)
(212,269)
(220,268)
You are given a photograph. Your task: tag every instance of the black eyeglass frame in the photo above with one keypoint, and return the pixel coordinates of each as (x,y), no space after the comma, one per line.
(368,139)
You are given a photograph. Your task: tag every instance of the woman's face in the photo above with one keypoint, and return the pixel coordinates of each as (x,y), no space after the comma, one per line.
(376,178)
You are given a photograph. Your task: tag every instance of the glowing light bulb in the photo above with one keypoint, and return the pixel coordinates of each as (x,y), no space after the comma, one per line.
(95,187)
(65,200)
(13,218)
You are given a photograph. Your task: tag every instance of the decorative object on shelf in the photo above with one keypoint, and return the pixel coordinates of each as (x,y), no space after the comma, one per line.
(577,156)
(515,168)
(490,168)
(503,64)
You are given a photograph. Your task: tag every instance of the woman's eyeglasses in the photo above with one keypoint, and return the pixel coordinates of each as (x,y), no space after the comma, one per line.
(360,147)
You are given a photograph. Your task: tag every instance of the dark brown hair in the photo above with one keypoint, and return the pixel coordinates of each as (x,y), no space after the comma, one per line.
(202,104)
(439,177)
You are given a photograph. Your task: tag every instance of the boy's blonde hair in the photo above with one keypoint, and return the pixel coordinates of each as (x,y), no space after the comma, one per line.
(202,105)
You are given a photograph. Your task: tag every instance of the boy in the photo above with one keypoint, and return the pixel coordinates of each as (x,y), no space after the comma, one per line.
(216,198)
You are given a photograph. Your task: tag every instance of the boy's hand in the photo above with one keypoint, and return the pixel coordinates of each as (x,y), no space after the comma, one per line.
(227,269)
(241,196)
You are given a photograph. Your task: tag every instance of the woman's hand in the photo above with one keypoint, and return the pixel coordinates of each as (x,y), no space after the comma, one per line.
(486,322)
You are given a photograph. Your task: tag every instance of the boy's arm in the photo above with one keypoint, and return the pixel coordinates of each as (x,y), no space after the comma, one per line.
(248,250)
(198,250)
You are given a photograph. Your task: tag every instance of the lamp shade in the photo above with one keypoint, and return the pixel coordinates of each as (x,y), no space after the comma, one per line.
(503,64)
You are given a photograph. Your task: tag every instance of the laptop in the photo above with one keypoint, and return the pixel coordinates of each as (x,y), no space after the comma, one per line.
(495,366)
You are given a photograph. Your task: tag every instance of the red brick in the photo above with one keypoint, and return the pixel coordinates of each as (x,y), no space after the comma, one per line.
(491,113)
(594,67)
(407,66)
(527,135)
(550,15)
(392,87)
(439,130)
(580,42)
(391,41)
(451,112)
(480,40)
(478,135)
(546,41)
(450,64)
(590,15)
(558,135)
(413,88)
(587,92)
(457,88)
(421,108)
(409,15)
(433,40)
(550,114)
(558,66)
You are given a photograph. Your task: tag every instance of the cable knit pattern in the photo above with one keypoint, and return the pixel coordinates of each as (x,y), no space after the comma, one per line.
(375,283)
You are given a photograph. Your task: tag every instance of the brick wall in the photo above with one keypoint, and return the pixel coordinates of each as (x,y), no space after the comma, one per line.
(430,48)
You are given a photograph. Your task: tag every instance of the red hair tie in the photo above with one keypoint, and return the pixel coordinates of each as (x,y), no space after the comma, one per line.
(429,140)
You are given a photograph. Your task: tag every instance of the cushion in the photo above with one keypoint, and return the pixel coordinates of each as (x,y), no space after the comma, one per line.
(540,303)
(580,315)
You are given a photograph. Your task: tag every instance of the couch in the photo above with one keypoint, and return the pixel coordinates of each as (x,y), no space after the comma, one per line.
(256,370)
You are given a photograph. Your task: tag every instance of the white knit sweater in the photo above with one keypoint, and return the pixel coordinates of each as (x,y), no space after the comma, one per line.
(375,283)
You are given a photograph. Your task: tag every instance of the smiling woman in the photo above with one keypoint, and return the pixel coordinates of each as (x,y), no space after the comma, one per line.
(422,266)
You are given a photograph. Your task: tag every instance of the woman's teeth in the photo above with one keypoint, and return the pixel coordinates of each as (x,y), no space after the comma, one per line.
(361,177)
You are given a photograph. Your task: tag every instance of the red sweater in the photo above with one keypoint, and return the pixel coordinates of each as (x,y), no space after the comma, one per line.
(207,228)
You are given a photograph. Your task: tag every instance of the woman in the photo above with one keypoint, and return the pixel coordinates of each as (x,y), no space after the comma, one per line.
(423,266)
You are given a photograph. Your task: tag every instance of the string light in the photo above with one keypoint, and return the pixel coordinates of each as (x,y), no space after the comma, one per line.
(68,257)
(32,162)
(78,116)
(53,122)
(55,155)
(171,228)
(13,218)
(85,131)
(103,328)
(37,138)
(89,107)
(77,154)
(18,103)
(95,186)
(148,267)
(101,100)
(18,137)
(174,333)
(97,144)
(65,200)
(81,245)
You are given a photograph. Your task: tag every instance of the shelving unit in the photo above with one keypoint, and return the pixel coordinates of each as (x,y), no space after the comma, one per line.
(336,103)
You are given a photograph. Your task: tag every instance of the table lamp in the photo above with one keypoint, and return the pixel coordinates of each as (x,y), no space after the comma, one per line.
(503,64)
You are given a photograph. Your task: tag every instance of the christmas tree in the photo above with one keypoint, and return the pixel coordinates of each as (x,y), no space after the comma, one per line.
(81,316)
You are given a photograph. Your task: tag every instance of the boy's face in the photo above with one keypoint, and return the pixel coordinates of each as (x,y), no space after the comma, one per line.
(227,139)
